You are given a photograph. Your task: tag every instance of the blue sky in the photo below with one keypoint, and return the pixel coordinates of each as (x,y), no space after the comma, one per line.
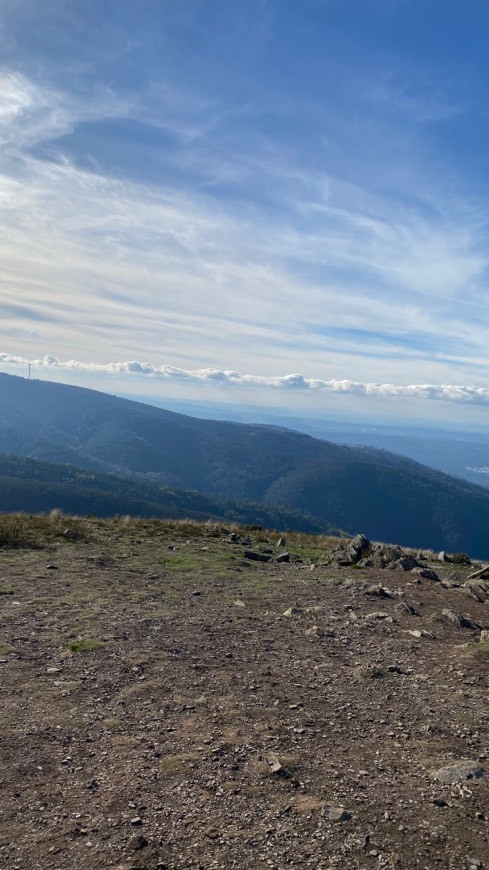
(201,198)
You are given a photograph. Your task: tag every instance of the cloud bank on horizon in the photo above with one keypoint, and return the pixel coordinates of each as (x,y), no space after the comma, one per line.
(292,382)
(258,186)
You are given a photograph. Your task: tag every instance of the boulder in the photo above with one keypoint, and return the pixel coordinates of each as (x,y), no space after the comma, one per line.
(384,556)
(358,548)
(460,772)
(405,607)
(292,611)
(478,587)
(255,556)
(379,591)
(452,581)
(454,619)
(366,563)
(407,562)
(427,573)
(335,814)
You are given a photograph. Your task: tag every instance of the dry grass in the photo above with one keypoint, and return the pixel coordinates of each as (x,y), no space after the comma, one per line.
(25,531)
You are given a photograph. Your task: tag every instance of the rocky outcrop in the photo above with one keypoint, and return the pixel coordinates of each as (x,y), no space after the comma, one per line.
(362,552)
(357,549)
(478,585)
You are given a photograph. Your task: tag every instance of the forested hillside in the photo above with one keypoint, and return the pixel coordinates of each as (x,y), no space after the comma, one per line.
(387,496)
(34,486)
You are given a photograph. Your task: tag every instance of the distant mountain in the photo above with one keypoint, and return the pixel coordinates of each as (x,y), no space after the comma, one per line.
(382,494)
(459,452)
(34,486)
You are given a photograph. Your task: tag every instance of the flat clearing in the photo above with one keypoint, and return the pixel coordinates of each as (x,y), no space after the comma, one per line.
(168,702)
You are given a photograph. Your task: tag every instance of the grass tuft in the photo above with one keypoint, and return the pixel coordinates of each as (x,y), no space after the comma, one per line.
(5,589)
(85,645)
(482,647)
(15,532)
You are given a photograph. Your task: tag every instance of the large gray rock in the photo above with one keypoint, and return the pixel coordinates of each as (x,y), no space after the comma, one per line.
(335,814)
(379,591)
(407,562)
(478,588)
(358,548)
(453,618)
(453,581)
(255,556)
(427,573)
(405,607)
(460,772)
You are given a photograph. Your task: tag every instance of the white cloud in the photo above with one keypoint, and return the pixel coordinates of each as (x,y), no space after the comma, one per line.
(448,393)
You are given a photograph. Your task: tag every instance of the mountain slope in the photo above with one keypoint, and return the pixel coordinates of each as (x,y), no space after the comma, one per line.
(387,496)
(34,486)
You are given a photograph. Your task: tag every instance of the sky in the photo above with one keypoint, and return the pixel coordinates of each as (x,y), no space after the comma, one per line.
(270,202)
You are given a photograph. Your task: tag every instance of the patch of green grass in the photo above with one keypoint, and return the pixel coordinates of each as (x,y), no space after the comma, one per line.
(482,647)
(190,560)
(180,561)
(85,645)
(253,582)
(6,590)
(6,648)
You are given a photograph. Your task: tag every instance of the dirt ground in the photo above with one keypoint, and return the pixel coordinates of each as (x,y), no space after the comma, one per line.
(167,702)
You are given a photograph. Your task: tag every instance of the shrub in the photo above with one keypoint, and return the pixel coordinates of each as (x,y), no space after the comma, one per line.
(459,558)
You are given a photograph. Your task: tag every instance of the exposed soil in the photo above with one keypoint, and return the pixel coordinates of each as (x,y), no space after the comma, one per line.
(207,729)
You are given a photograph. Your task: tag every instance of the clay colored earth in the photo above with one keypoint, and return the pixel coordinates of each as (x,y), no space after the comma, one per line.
(168,702)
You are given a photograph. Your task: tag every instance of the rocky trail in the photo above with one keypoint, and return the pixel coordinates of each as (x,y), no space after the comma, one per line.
(171,701)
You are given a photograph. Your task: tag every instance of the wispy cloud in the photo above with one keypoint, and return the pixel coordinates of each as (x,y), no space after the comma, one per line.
(31,113)
(118,259)
(264,225)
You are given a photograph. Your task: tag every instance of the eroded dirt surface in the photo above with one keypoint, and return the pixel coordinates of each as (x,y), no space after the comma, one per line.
(157,749)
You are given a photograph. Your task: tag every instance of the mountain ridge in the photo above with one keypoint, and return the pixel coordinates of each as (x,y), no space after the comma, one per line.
(386,495)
